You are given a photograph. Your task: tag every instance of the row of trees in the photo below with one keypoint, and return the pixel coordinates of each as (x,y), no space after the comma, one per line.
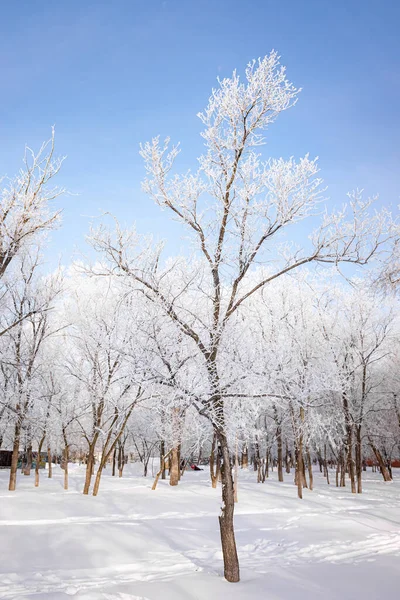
(310,372)
(231,350)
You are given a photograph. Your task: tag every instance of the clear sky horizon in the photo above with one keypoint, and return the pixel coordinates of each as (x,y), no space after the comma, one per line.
(110,75)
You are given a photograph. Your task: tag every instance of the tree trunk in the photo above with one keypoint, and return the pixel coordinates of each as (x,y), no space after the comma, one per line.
(174,467)
(349,443)
(280,454)
(257,461)
(359,459)
(263,468)
(100,468)
(179,462)
(174,460)
(287,458)
(350,463)
(326,470)
(299,473)
(229,552)
(382,466)
(89,470)
(343,470)
(66,459)
(162,468)
(162,452)
(14,460)
(49,462)
(38,461)
(121,459)
(114,461)
(255,464)
(321,463)
(245,457)
(97,478)
(300,476)
(266,473)
(310,471)
(213,473)
(28,466)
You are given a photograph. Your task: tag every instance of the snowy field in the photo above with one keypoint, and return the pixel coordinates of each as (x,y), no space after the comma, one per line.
(132,543)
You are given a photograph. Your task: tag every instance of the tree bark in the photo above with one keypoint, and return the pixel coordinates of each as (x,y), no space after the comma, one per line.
(174,466)
(38,461)
(382,466)
(121,459)
(310,471)
(342,469)
(162,468)
(162,453)
(350,463)
(257,461)
(66,459)
(114,460)
(89,470)
(280,454)
(229,552)
(245,457)
(97,479)
(300,462)
(326,470)
(214,473)
(28,466)
(49,462)
(14,460)
(299,473)
(349,443)
(359,459)
(287,458)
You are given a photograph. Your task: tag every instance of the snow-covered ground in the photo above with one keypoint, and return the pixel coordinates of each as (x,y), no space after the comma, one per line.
(132,543)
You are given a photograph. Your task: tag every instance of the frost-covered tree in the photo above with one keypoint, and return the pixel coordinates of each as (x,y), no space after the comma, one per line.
(235,206)
(30,301)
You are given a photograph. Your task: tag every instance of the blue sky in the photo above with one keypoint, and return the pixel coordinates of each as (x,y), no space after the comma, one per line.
(110,74)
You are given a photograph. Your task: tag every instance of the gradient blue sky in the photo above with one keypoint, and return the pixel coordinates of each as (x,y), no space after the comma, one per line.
(110,74)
